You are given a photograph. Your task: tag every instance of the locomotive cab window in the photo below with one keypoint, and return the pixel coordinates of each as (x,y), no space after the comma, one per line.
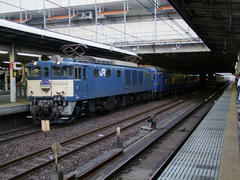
(34,72)
(45,72)
(62,71)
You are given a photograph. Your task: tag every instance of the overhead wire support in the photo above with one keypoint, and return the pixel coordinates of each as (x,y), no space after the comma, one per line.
(160,18)
(57,4)
(69,18)
(79,26)
(44,15)
(19,7)
(124,20)
(167,15)
(122,32)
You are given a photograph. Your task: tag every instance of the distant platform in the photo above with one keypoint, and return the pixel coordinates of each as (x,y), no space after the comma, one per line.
(7,108)
(212,151)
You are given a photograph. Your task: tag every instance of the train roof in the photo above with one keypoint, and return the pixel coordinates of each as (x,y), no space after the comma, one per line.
(88,61)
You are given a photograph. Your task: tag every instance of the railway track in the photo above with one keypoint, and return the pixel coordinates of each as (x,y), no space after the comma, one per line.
(108,168)
(18,133)
(29,163)
(30,130)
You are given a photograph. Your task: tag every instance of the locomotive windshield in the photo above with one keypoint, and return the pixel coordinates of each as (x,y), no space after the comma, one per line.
(62,71)
(34,72)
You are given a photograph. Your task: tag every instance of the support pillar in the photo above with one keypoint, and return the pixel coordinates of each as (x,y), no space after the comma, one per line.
(24,80)
(6,79)
(23,73)
(124,20)
(96,20)
(12,79)
(44,15)
(155,19)
(69,18)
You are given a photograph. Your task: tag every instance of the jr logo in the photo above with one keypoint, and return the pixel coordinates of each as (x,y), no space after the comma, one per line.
(102,72)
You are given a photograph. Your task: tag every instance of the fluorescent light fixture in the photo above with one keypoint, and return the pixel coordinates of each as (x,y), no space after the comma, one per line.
(27,54)
(7,62)
(3,52)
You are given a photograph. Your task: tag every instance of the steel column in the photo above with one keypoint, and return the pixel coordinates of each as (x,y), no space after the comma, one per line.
(44,15)
(69,18)
(6,79)
(12,79)
(96,21)
(23,73)
(155,19)
(20,6)
(124,20)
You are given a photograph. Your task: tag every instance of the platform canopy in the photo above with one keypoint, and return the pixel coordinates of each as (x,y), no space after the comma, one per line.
(49,42)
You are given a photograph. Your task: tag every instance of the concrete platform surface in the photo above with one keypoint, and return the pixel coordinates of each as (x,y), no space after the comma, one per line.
(212,151)
(6,107)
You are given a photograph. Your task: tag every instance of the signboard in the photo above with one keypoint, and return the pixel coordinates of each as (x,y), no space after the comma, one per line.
(45,125)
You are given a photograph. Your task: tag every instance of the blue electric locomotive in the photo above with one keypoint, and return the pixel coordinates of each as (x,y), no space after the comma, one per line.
(63,89)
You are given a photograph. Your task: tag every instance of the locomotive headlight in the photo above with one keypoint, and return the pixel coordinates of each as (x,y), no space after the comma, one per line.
(34,63)
(58,62)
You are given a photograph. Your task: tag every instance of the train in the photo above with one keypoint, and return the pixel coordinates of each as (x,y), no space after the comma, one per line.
(63,89)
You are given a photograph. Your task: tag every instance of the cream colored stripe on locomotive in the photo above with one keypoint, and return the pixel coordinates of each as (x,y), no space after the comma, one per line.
(57,88)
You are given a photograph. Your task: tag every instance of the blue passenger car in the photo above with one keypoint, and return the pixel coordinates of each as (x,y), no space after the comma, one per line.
(168,83)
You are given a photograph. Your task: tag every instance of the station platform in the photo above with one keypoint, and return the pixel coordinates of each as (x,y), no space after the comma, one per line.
(7,108)
(212,151)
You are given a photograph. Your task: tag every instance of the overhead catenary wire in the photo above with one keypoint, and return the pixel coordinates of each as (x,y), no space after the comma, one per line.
(36,12)
(101,24)
(160,19)
(167,15)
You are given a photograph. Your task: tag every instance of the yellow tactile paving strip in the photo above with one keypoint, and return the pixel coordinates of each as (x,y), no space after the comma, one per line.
(230,161)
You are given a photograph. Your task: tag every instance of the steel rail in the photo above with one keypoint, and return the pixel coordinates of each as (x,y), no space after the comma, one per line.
(11,163)
(164,132)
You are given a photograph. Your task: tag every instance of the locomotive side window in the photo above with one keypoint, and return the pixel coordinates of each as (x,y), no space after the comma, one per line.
(45,72)
(134,77)
(127,77)
(77,73)
(140,75)
(95,73)
(108,72)
(118,73)
(152,76)
(34,72)
(62,71)
(84,73)
(146,74)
